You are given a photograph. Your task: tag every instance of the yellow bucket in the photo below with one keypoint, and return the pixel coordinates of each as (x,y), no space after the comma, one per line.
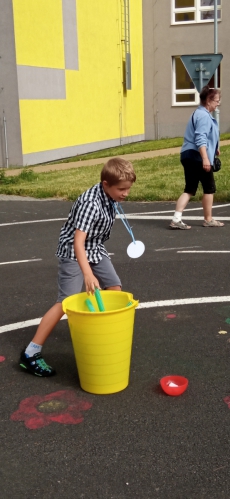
(102,341)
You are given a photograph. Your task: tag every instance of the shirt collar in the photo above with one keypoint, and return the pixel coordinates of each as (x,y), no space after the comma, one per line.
(203,108)
(106,199)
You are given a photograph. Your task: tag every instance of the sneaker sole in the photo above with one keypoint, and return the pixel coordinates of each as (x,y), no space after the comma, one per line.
(179,228)
(36,374)
(211,226)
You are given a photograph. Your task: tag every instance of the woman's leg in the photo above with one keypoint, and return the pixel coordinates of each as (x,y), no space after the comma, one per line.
(191,184)
(207,202)
(182,202)
(209,188)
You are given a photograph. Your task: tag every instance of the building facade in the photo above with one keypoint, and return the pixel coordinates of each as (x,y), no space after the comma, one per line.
(172,28)
(71,78)
(78,76)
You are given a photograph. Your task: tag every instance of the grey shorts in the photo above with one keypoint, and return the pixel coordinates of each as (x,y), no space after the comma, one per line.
(70,277)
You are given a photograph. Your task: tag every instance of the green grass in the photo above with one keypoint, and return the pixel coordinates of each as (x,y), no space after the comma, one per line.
(147,145)
(135,147)
(158,179)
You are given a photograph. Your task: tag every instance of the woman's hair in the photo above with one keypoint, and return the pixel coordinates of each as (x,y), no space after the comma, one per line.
(117,169)
(208,94)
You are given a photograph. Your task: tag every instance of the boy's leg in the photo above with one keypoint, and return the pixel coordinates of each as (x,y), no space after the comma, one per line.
(70,282)
(31,358)
(105,273)
(114,288)
(48,322)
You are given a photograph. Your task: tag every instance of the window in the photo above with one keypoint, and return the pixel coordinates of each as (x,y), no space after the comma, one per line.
(194,11)
(184,90)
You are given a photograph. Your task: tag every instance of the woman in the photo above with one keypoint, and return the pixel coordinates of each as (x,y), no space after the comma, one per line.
(197,155)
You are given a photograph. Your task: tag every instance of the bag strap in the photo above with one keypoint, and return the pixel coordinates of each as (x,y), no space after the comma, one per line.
(193,119)
(194,128)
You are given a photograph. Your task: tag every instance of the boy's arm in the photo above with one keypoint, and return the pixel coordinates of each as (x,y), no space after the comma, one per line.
(79,247)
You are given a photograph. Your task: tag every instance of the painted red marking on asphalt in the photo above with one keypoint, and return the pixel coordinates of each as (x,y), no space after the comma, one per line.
(171,316)
(227,401)
(58,407)
(2,358)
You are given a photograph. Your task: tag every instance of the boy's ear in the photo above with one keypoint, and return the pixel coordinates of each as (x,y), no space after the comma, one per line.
(105,183)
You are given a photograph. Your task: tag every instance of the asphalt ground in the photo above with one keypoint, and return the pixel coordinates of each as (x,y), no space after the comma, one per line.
(138,443)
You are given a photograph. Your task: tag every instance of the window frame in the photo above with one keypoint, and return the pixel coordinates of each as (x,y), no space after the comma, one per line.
(197,9)
(186,91)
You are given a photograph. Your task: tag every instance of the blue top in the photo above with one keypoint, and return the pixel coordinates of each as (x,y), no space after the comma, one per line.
(202,130)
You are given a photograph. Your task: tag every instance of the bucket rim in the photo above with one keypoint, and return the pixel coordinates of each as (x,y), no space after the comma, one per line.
(106,312)
(97,312)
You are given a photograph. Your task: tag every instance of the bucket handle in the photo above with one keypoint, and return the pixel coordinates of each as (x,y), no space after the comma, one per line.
(132,302)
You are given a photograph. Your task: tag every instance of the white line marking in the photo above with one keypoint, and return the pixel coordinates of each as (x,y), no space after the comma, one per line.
(182,247)
(132,216)
(21,325)
(34,221)
(22,261)
(150,304)
(184,301)
(204,251)
(164,217)
(172,211)
(128,215)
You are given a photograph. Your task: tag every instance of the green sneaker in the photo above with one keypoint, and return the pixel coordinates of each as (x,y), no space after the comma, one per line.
(36,365)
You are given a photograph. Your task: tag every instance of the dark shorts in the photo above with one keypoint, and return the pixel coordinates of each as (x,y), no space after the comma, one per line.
(70,277)
(195,173)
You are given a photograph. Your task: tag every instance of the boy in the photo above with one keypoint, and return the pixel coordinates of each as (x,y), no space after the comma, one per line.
(81,252)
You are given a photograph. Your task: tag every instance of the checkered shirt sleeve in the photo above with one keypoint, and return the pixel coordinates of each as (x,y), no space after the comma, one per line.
(92,213)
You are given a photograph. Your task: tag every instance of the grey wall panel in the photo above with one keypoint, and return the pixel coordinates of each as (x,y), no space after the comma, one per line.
(67,152)
(70,34)
(162,41)
(41,83)
(8,88)
(149,68)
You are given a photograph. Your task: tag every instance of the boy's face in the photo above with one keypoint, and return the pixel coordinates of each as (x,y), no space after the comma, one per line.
(117,192)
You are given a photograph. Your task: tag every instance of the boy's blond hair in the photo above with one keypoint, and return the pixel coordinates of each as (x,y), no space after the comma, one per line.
(117,169)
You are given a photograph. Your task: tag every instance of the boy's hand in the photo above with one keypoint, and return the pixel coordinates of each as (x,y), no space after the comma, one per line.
(79,246)
(91,283)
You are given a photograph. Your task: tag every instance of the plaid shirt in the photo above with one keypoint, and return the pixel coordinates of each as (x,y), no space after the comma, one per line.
(94,213)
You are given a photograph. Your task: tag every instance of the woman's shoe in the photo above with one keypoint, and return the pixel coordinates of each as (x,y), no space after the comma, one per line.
(213,223)
(179,225)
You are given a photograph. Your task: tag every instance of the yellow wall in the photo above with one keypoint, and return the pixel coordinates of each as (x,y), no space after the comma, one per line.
(96,108)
